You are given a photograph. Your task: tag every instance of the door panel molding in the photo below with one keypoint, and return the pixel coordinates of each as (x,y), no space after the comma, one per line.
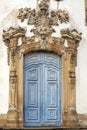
(31,105)
(42,106)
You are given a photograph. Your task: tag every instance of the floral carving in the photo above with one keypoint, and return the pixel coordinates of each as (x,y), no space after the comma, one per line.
(42,19)
(54,18)
(63,16)
(43,31)
(23,13)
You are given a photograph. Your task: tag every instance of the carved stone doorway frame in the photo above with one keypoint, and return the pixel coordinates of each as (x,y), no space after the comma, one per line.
(14,117)
(43,21)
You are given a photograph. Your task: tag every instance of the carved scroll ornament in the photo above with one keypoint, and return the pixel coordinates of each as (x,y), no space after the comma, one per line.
(73,38)
(12,33)
(71,34)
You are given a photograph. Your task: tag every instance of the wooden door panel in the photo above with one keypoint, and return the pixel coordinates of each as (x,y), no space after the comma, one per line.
(32,95)
(52,95)
(42,89)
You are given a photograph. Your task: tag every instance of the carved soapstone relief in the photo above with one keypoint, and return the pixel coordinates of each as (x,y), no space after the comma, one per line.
(43,20)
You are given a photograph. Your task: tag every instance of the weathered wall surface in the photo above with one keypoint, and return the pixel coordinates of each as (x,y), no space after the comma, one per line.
(76,11)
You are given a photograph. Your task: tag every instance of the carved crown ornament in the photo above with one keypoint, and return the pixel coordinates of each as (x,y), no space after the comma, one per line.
(43,19)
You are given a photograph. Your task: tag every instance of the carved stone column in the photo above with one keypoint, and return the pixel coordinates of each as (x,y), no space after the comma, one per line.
(12,112)
(72,58)
(73,38)
(10,37)
(66,89)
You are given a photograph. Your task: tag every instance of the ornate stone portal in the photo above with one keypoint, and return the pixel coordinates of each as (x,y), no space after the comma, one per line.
(43,21)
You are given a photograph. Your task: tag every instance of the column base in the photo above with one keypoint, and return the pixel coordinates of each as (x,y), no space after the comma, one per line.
(70,119)
(12,119)
(12,115)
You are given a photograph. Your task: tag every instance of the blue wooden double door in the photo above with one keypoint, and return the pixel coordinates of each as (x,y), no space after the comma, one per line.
(42,89)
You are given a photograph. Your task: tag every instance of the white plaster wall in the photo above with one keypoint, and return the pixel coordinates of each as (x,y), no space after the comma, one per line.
(76,11)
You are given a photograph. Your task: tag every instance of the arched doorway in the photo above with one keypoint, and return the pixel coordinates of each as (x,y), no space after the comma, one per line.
(42,89)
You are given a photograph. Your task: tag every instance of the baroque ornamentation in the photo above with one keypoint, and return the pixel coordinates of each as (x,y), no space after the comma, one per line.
(13,81)
(12,33)
(74,57)
(43,20)
(72,77)
(71,34)
(73,38)
(10,37)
